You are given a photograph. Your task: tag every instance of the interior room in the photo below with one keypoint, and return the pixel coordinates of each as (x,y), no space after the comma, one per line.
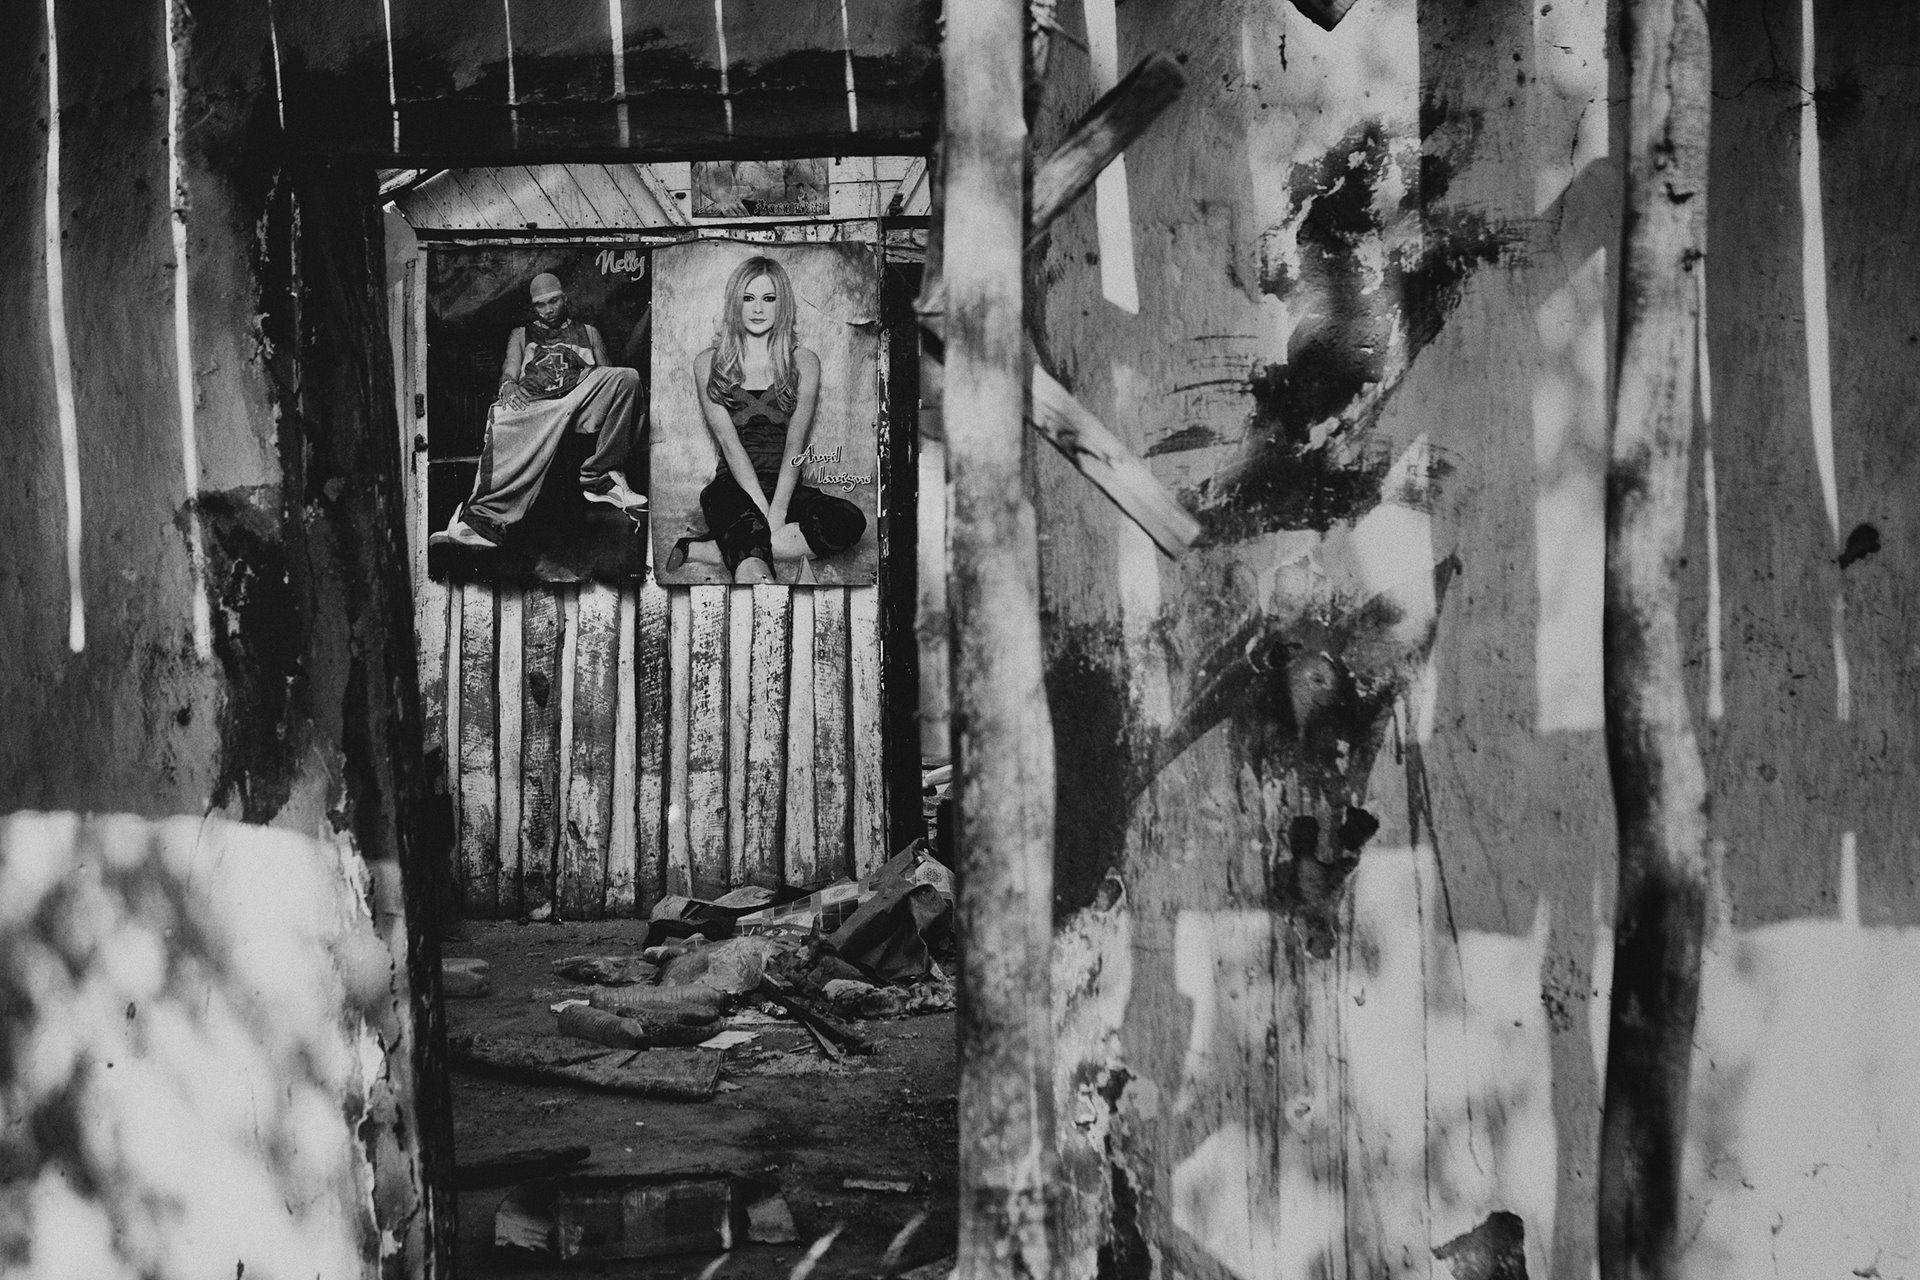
(667,781)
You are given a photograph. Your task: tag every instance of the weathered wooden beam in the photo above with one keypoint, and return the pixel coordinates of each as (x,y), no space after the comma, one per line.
(540,799)
(651,701)
(580,881)
(1122,114)
(1659,783)
(1004,733)
(1115,470)
(760,860)
(833,764)
(1069,171)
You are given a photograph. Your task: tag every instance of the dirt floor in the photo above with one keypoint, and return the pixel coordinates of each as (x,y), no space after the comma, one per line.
(784,1112)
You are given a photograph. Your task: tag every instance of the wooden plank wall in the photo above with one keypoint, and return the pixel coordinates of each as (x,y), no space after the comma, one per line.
(614,743)
(610,744)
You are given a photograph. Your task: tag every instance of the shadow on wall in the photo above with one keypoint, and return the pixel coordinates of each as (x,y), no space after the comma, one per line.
(1405,1123)
(189,1069)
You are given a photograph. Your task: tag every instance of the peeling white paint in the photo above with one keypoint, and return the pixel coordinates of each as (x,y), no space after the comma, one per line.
(720,35)
(1113,215)
(1813,278)
(201,613)
(846,44)
(62,350)
(1842,669)
(513,83)
(1710,490)
(279,84)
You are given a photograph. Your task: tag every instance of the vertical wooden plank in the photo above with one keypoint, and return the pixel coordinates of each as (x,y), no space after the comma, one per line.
(868,822)
(509,681)
(450,661)
(1005,792)
(739,708)
(800,863)
(479,872)
(622,842)
(540,643)
(680,676)
(432,601)
(707,741)
(580,893)
(767,735)
(651,703)
(832,769)
(568,665)
(930,627)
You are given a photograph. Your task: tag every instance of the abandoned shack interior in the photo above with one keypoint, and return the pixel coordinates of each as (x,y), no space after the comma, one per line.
(1320,681)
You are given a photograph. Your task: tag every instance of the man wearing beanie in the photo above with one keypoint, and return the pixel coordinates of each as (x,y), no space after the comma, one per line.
(556,379)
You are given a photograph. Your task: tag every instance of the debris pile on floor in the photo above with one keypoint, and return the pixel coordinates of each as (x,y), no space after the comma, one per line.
(707,971)
(758,984)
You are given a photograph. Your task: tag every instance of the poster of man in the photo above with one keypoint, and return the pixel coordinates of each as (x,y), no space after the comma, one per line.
(537,412)
(765,408)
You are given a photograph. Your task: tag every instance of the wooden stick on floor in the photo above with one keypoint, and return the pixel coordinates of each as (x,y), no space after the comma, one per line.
(1659,783)
(1005,738)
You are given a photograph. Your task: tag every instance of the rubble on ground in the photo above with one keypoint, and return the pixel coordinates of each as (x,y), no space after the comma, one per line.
(847,952)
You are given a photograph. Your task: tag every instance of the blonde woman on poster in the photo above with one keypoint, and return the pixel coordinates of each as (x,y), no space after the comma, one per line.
(758,390)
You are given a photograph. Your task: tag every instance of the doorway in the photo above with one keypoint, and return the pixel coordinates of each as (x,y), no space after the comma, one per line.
(643,778)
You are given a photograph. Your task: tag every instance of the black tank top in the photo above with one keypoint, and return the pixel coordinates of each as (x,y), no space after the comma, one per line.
(762,426)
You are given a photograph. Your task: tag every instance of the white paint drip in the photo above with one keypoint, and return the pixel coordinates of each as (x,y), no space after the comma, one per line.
(617,33)
(1716,658)
(1425,697)
(1849,880)
(279,84)
(726,86)
(1842,670)
(1113,217)
(1813,280)
(183,328)
(513,83)
(846,42)
(393,81)
(69,418)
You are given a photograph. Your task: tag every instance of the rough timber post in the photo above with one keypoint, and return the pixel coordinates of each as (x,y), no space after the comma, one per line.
(1659,783)
(1003,734)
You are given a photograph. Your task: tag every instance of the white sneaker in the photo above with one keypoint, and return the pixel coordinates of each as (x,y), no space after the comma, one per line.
(460,534)
(615,492)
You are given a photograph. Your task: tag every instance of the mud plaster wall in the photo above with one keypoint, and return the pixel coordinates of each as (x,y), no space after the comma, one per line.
(239,693)
(1335,839)
(203,596)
